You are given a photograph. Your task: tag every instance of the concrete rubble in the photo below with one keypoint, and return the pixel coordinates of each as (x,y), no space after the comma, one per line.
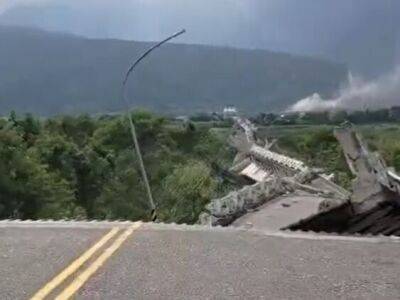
(284,181)
(374,205)
(374,181)
(224,210)
(273,175)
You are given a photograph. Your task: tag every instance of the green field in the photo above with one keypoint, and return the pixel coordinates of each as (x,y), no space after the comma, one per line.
(317,146)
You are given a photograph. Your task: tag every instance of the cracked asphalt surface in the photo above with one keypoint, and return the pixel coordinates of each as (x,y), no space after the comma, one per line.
(175,262)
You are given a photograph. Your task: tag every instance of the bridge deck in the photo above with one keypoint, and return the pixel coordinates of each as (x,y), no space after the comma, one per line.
(191,262)
(281,212)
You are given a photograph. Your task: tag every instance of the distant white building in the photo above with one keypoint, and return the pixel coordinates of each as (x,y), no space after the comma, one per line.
(182,119)
(229,112)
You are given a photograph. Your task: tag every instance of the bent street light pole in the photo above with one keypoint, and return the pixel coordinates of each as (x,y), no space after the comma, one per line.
(132,125)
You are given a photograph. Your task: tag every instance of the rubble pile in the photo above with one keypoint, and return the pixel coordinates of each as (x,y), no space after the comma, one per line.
(373,204)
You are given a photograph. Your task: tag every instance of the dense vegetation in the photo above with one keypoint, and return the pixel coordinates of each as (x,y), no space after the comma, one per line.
(82,167)
(384,115)
(49,73)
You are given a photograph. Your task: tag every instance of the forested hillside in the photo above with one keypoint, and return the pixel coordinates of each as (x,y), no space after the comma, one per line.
(49,73)
(82,167)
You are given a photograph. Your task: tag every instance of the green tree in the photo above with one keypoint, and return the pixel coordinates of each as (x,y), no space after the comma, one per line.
(188,188)
(123,195)
(85,167)
(27,188)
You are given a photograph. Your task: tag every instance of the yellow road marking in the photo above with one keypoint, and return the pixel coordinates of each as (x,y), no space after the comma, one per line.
(79,281)
(75,265)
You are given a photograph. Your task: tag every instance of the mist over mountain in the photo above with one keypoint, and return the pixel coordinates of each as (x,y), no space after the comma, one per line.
(49,73)
(364,34)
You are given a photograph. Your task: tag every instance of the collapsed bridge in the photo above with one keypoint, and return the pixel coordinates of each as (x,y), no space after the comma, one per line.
(251,258)
(304,198)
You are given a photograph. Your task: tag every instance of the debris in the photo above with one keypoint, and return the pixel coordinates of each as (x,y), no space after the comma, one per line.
(375,196)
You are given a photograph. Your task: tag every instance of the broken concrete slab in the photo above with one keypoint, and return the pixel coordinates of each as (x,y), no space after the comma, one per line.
(281,212)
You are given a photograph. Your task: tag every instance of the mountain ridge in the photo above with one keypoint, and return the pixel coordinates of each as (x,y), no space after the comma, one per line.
(51,72)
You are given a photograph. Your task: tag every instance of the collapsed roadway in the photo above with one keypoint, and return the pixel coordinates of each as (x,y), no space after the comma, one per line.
(287,194)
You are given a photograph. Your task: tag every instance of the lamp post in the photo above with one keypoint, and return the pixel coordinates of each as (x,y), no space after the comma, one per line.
(132,125)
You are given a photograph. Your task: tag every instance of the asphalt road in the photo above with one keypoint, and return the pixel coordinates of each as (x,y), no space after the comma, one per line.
(183,262)
(31,256)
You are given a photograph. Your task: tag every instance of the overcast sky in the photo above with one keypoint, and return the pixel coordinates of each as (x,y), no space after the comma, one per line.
(335,29)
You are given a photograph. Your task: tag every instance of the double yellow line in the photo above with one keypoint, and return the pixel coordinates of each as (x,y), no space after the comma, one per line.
(81,279)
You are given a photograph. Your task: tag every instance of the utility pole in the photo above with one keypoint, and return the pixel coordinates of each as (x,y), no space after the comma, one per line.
(132,124)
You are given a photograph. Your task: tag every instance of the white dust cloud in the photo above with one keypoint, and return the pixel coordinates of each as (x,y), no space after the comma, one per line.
(380,93)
